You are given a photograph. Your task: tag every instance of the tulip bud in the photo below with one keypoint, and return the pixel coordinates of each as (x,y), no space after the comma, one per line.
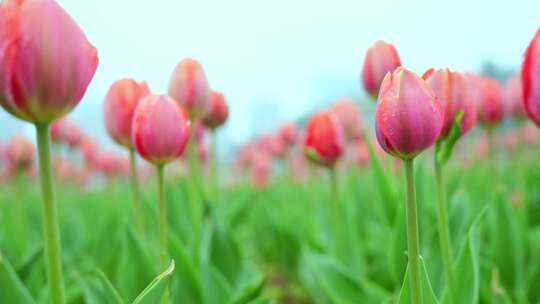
(409,116)
(46,62)
(324,141)
(513,98)
(348,115)
(454,93)
(288,134)
(218,113)
(272,145)
(489,103)
(67,132)
(380,59)
(188,86)
(120,103)
(20,153)
(530,78)
(160,129)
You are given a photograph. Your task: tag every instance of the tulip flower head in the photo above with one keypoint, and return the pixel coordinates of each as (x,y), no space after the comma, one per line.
(324,139)
(260,169)
(160,129)
(380,59)
(489,100)
(454,93)
(288,134)
(120,103)
(530,78)
(46,62)
(218,113)
(67,132)
(513,98)
(348,115)
(409,116)
(189,86)
(20,153)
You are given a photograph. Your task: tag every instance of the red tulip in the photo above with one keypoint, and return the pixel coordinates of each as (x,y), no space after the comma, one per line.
(160,130)
(46,62)
(454,93)
(513,98)
(288,134)
(324,141)
(188,85)
(489,99)
(380,59)
(120,103)
(20,153)
(409,116)
(530,78)
(218,113)
(348,114)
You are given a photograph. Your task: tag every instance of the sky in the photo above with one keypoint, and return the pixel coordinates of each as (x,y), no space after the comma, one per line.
(279,60)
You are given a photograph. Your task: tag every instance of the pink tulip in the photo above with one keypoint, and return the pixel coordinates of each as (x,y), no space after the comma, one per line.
(288,134)
(530,78)
(531,134)
(89,150)
(489,99)
(188,85)
(454,93)
(409,116)
(380,59)
(348,114)
(260,170)
(272,145)
(67,132)
(361,153)
(218,112)
(20,153)
(46,62)
(160,130)
(513,98)
(324,141)
(120,103)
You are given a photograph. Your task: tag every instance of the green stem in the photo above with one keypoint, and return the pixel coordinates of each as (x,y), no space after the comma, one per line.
(413,247)
(194,195)
(162,219)
(491,155)
(137,207)
(444,232)
(334,186)
(51,228)
(214,166)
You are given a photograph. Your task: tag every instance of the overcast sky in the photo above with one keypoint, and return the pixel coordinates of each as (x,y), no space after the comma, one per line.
(277,60)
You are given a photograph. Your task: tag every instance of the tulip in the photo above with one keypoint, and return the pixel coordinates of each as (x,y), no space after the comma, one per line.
(260,169)
(160,133)
(348,114)
(513,98)
(120,103)
(409,119)
(530,78)
(489,100)
(324,141)
(66,131)
(188,86)
(218,113)
(454,93)
(409,116)
(20,154)
(288,134)
(46,64)
(272,145)
(381,58)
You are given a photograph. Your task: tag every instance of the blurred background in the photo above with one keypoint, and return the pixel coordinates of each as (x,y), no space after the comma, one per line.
(281,60)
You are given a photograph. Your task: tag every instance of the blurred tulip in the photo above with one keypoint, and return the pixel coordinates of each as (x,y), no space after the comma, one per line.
(189,86)
(89,150)
(361,153)
(120,103)
(218,112)
(111,165)
(288,134)
(531,134)
(530,78)
(46,62)
(513,98)
(348,114)
(160,129)
(198,130)
(272,145)
(380,59)
(66,131)
(409,116)
(489,103)
(454,93)
(260,169)
(511,140)
(324,141)
(20,153)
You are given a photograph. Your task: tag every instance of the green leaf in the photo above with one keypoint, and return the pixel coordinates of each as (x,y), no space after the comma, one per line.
(428,295)
(216,288)
(98,289)
(325,276)
(222,250)
(444,150)
(154,292)
(249,291)
(467,268)
(12,290)
(188,283)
